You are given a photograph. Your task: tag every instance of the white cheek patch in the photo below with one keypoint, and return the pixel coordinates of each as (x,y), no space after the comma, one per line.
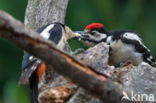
(103,36)
(98,36)
(45,33)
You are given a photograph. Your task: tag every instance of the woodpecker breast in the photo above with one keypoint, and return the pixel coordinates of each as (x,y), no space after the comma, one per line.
(121,52)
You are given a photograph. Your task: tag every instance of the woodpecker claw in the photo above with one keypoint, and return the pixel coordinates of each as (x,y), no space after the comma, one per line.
(128,62)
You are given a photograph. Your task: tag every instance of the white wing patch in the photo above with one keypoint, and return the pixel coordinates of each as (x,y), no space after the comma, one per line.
(45,33)
(109,39)
(151,57)
(31,57)
(103,36)
(34,66)
(133,36)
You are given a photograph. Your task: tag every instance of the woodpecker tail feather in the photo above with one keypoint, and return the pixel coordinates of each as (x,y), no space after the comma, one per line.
(33,80)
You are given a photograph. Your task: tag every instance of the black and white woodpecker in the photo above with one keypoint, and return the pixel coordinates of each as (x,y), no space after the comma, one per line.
(33,68)
(125,45)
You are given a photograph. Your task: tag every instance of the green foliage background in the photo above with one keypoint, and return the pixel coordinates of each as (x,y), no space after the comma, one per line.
(137,15)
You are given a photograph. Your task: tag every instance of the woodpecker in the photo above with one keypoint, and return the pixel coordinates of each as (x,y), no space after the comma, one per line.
(125,45)
(33,68)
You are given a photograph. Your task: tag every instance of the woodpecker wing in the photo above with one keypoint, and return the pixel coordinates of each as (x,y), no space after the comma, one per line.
(52,32)
(140,48)
(29,65)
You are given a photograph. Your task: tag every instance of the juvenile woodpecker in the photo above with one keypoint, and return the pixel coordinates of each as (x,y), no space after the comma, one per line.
(33,68)
(125,45)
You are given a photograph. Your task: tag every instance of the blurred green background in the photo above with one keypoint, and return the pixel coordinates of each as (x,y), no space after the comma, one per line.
(137,15)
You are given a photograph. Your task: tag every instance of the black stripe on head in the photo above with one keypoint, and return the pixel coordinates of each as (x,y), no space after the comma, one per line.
(100,30)
(90,40)
(56,33)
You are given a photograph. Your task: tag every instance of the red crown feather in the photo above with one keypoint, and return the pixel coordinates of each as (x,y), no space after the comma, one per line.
(94,26)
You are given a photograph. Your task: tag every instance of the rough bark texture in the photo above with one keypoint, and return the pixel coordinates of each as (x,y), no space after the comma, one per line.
(41,12)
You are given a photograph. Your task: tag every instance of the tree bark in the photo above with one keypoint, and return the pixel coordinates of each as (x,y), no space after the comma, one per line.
(41,12)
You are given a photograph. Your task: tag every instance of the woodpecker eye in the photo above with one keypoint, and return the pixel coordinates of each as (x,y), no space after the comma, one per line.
(93,33)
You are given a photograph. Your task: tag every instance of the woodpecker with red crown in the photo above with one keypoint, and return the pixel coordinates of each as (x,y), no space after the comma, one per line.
(125,45)
(32,67)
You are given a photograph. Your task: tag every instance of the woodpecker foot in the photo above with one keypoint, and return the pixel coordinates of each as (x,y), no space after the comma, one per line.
(77,51)
(128,62)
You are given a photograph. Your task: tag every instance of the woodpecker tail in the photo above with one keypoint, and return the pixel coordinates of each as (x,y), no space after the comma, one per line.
(33,80)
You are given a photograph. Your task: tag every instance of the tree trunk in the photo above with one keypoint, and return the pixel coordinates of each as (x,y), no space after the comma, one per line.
(41,12)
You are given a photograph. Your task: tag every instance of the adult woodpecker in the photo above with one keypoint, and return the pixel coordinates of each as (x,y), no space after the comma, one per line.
(125,45)
(33,68)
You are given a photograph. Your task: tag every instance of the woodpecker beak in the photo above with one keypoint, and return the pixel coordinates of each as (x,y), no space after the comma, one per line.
(79,33)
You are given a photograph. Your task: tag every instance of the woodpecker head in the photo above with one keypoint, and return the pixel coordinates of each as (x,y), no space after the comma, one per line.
(70,34)
(93,34)
(96,31)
